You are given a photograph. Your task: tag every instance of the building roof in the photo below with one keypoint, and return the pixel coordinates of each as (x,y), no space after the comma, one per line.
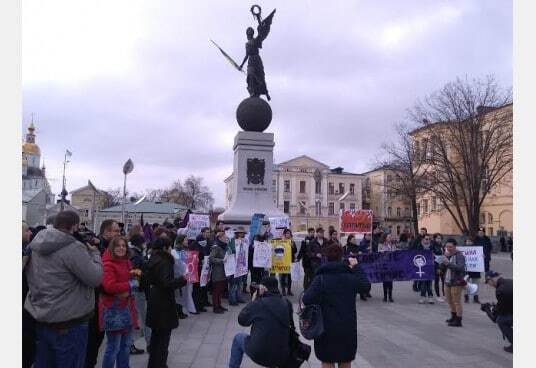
(90,186)
(29,194)
(148,207)
(291,161)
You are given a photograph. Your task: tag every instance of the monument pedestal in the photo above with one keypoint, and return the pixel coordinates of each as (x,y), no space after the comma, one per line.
(252,179)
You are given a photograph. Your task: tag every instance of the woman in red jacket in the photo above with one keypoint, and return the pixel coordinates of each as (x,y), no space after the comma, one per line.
(117,283)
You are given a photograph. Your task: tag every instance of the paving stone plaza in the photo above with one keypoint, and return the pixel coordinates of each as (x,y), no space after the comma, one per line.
(400,335)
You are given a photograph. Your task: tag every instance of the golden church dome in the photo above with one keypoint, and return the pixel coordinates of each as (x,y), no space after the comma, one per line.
(29,146)
(31,149)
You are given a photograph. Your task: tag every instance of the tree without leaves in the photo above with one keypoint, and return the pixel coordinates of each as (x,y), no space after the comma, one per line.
(400,159)
(114,197)
(470,145)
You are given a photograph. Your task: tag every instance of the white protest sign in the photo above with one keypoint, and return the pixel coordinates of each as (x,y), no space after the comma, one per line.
(277,225)
(205,272)
(229,264)
(262,254)
(195,224)
(474,258)
(242,249)
(295,271)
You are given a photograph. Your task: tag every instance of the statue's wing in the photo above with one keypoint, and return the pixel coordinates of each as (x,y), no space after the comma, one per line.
(264,28)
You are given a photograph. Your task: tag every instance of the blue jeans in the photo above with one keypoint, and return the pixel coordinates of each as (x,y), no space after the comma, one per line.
(237,350)
(117,350)
(505,323)
(141,307)
(61,348)
(234,290)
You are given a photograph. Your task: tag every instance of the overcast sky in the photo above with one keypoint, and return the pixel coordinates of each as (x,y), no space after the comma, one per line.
(110,80)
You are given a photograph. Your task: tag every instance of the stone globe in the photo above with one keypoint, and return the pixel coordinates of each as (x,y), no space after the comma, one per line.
(254,114)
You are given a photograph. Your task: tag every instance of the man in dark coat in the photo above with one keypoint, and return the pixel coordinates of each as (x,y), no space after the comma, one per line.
(483,240)
(270,317)
(504,309)
(306,263)
(161,311)
(334,288)
(315,251)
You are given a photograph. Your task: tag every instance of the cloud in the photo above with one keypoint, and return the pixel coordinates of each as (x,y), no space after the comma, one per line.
(140,79)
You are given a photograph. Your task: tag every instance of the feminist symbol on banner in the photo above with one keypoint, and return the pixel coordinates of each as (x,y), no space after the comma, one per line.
(419,261)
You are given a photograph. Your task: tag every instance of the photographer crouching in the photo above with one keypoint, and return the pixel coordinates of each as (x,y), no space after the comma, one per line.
(502,313)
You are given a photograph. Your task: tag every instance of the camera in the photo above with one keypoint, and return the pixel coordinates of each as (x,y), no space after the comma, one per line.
(84,237)
(489,309)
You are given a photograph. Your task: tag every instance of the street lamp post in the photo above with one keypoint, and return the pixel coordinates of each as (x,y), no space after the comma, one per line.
(64,192)
(127,169)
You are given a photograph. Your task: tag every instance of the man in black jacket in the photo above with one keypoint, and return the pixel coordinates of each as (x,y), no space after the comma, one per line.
(306,264)
(483,240)
(505,305)
(270,317)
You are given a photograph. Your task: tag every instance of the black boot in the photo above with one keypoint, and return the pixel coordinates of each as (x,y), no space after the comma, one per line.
(452,317)
(391,296)
(362,297)
(180,313)
(385,296)
(466,298)
(457,322)
(475,299)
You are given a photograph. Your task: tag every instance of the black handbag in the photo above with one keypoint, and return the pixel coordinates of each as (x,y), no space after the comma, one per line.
(311,319)
(299,352)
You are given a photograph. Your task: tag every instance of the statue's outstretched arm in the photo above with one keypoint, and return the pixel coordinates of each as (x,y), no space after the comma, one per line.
(243,61)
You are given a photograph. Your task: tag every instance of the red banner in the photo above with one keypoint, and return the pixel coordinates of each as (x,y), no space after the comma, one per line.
(192,264)
(356,221)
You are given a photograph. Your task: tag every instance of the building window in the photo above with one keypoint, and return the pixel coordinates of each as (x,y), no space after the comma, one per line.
(398,212)
(482,218)
(318,208)
(490,231)
(418,209)
(331,188)
(352,206)
(287,186)
(389,178)
(406,211)
(331,208)
(398,230)
(302,210)
(341,206)
(389,211)
(273,182)
(87,213)
(490,218)
(341,188)
(318,187)
(352,188)
(302,186)
(286,206)
(425,205)
(434,203)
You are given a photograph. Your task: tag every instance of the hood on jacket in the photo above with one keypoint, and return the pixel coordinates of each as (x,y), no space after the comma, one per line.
(48,241)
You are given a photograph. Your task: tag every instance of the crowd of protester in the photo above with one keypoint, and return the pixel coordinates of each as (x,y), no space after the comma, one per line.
(79,287)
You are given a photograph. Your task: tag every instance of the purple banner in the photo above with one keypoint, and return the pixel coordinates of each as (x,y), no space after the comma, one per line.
(400,265)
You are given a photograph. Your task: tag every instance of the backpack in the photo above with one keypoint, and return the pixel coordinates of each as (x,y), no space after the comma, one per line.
(311,319)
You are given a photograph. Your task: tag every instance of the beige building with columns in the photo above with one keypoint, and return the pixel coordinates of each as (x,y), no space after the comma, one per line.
(311,192)
(497,209)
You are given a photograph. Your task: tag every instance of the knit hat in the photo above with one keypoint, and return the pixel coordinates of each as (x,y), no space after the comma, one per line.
(491,274)
(271,284)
